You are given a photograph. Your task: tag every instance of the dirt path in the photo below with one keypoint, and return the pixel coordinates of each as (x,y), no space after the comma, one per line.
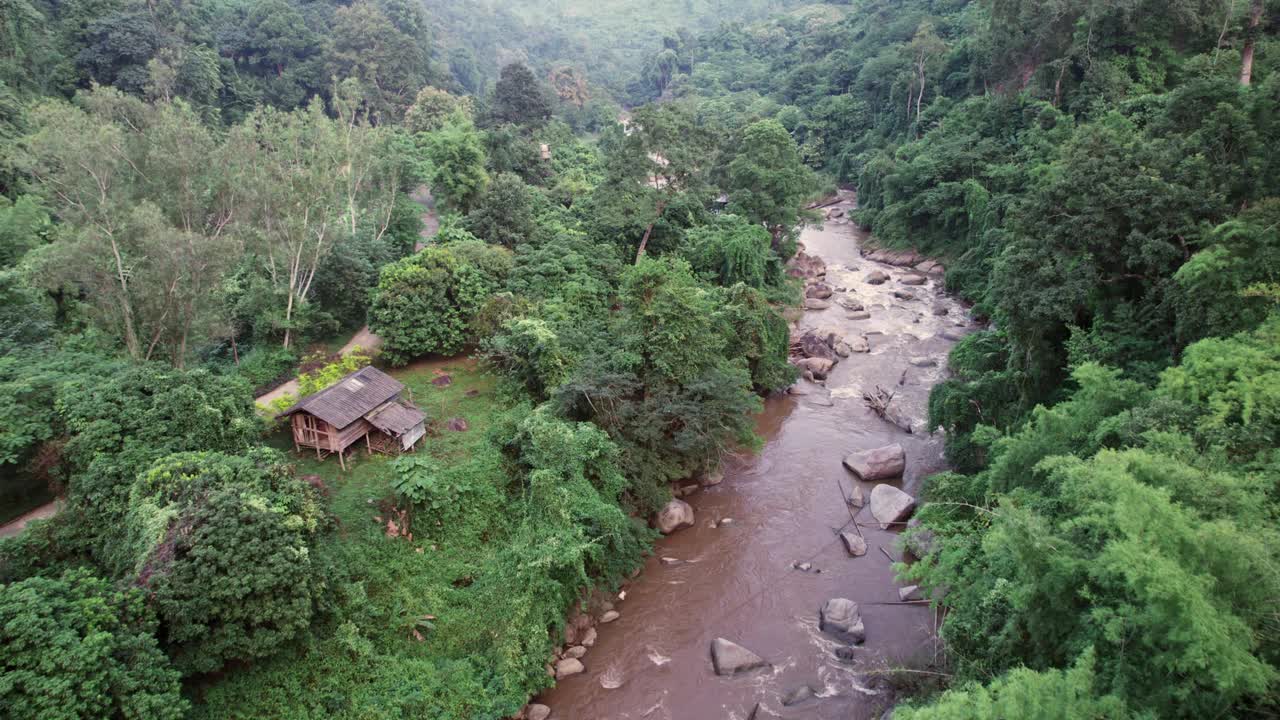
(363,339)
(18,524)
(430,220)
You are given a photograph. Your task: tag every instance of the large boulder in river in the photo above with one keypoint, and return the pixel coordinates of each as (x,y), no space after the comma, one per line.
(913,279)
(568,667)
(876,277)
(881,463)
(814,345)
(730,658)
(902,258)
(805,265)
(818,367)
(536,711)
(890,506)
(673,516)
(840,619)
(821,291)
(816,304)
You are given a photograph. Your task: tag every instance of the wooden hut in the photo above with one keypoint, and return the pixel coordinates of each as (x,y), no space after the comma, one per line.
(366,404)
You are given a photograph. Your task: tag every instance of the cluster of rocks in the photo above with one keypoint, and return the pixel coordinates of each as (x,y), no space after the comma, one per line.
(804,265)
(817,351)
(889,505)
(579,636)
(904,258)
(677,513)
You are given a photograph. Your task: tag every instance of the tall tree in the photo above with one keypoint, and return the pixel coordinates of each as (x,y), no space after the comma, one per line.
(664,154)
(519,99)
(767,180)
(311,177)
(141,191)
(386,54)
(1250,42)
(457,160)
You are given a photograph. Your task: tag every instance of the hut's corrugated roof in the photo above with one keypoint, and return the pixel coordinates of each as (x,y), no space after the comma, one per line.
(349,399)
(396,417)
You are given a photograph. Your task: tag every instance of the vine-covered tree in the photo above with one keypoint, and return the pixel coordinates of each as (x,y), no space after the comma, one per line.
(76,647)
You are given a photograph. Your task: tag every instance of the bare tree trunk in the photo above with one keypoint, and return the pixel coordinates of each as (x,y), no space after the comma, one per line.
(1246,59)
(644,241)
(1057,86)
(920,98)
(126,307)
(288,320)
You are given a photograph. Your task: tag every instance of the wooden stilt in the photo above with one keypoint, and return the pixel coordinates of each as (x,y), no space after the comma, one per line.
(342,462)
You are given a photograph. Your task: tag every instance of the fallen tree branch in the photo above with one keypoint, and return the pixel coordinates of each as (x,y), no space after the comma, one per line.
(880,401)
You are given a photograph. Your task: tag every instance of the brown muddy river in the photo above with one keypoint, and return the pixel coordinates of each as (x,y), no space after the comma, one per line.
(736,579)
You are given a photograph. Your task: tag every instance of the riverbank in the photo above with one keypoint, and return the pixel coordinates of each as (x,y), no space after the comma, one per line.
(764,554)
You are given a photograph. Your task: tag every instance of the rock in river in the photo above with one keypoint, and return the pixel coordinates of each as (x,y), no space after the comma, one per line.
(876,277)
(536,711)
(814,345)
(889,505)
(819,367)
(878,464)
(839,618)
(856,498)
(567,667)
(799,695)
(913,280)
(818,291)
(923,362)
(854,543)
(673,516)
(904,294)
(816,304)
(858,315)
(731,658)
(909,593)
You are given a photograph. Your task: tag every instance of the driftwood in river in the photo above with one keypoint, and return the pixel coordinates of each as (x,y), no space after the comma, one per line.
(881,403)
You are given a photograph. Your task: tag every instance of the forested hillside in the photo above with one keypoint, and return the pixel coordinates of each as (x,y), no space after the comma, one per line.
(200,200)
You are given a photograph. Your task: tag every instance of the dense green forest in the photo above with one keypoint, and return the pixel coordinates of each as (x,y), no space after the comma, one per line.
(201,199)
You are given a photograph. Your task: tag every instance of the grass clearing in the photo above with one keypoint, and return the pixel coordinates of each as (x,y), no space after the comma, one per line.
(366,662)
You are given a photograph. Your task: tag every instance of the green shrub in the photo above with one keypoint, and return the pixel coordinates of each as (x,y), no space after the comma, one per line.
(76,648)
(425,303)
(265,364)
